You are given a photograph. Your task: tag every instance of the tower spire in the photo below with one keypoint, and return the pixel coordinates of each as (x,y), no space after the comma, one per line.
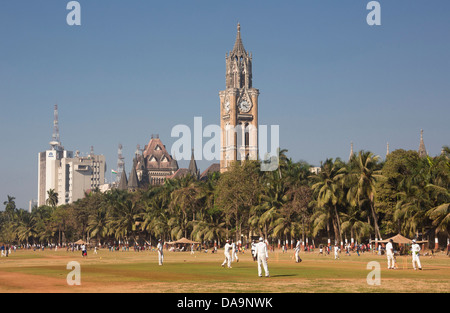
(387,149)
(351,151)
(422,151)
(238,49)
(193,170)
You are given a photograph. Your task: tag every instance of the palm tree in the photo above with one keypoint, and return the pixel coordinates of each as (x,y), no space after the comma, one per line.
(410,211)
(98,223)
(329,191)
(10,204)
(209,230)
(321,219)
(364,171)
(26,227)
(123,218)
(52,199)
(440,214)
(185,200)
(353,221)
(271,199)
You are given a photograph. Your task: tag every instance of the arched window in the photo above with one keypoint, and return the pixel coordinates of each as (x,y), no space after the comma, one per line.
(247,135)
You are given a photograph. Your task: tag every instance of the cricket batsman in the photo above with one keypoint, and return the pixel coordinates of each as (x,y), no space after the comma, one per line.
(336,252)
(159,247)
(262,256)
(253,250)
(390,254)
(234,255)
(297,251)
(415,249)
(227,260)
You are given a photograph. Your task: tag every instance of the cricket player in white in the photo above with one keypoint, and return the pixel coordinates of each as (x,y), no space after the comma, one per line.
(253,250)
(415,249)
(234,252)
(297,251)
(390,254)
(227,260)
(159,247)
(336,252)
(262,256)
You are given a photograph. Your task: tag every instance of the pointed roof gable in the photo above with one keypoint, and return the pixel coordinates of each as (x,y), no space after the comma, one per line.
(155,152)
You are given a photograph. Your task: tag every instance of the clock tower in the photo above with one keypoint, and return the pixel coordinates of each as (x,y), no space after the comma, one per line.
(238,108)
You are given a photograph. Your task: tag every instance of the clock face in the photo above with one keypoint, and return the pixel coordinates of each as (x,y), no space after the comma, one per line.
(244,106)
(227,106)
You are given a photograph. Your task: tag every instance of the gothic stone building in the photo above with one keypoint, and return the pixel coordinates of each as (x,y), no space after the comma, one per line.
(153,165)
(238,108)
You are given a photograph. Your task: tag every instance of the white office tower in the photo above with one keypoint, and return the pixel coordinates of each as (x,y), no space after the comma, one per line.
(67,175)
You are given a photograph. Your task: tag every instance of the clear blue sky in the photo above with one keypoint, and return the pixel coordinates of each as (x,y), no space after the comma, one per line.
(134,68)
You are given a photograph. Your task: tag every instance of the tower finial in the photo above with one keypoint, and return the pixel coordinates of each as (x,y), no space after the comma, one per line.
(238,49)
(422,150)
(351,151)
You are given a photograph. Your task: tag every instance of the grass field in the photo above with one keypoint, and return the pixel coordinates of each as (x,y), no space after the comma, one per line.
(135,272)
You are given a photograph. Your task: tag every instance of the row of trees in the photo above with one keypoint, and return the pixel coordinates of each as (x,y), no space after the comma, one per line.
(364,198)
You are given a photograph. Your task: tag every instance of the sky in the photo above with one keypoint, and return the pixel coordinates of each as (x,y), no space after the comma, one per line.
(136,68)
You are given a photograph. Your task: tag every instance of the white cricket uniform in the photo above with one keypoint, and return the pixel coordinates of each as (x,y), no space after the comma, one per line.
(262,256)
(415,249)
(297,251)
(253,250)
(336,252)
(227,260)
(234,252)
(390,255)
(159,247)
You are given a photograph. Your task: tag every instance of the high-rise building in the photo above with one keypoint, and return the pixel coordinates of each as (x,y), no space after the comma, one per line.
(68,175)
(238,108)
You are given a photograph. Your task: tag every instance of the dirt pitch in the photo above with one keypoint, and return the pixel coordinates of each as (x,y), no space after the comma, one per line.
(139,272)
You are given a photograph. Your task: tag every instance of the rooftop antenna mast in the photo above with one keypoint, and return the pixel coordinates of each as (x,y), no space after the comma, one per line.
(55,143)
(120,163)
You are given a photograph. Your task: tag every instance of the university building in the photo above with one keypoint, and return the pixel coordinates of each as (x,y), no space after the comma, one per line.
(238,122)
(238,108)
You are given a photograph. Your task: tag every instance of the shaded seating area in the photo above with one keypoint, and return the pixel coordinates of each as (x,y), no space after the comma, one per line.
(181,245)
(402,243)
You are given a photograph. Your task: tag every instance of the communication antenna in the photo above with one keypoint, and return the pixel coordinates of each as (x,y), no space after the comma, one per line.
(55,143)
(120,163)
